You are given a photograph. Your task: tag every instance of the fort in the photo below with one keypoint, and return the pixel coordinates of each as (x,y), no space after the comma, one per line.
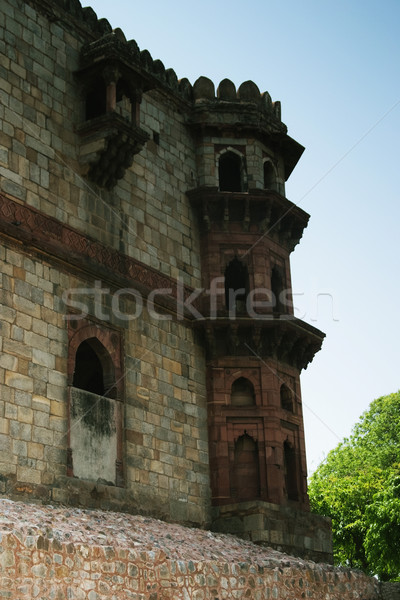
(150,357)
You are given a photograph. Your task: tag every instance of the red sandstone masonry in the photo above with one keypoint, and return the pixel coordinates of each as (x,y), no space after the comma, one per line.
(57,553)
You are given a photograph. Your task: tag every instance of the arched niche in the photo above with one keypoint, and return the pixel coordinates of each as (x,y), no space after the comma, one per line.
(269,174)
(242,393)
(245,483)
(286,397)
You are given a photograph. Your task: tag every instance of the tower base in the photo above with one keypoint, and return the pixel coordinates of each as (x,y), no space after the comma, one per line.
(283,528)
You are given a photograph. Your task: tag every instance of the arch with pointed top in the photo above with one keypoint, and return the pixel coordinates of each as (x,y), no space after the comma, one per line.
(231,168)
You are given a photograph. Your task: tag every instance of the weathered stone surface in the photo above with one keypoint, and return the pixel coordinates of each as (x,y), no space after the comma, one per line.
(92,554)
(100,245)
(203,88)
(226,90)
(249,92)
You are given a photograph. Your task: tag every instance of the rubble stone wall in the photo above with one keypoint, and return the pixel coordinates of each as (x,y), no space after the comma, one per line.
(92,555)
(390,591)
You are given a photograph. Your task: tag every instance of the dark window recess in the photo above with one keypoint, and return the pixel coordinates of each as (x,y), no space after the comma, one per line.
(156,137)
(94,369)
(286,398)
(290,472)
(96,101)
(230,172)
(236,285)
(242,393)
(246,475)
(88,374)
(269,176)
(277,287)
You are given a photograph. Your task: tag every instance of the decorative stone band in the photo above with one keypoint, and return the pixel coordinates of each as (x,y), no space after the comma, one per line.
(53,238)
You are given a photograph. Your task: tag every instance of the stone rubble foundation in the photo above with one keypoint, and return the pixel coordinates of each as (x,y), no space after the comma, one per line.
(57,553)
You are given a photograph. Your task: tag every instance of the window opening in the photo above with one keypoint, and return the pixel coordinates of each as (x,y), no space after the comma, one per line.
(286,398)
(94,416)
(230,172)
(96,101)
(242,393)
(236,286)
(269,176)
(88,374)
(277,288)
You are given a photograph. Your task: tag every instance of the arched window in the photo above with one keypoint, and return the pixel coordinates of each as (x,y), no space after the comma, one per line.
(286,398)
(94,415)
(246,474)
(88,374)
(230,172)
(290,471)
(269,176)
(242,393)
(94,369)
(277,287)
(236,286)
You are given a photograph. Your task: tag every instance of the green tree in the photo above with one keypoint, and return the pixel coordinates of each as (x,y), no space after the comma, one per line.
(358,486)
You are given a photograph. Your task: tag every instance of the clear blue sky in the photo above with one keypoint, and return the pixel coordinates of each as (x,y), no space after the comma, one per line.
(334,65)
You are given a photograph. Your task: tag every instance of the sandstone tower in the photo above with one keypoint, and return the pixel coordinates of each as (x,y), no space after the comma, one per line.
(150,356)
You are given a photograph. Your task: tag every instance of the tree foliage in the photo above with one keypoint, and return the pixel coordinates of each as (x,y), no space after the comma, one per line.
(358,486)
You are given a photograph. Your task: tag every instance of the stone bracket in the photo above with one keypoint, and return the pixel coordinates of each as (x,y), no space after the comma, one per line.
(108,145)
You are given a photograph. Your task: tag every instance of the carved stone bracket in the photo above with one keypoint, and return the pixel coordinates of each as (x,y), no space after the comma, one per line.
(108,146)
(290,340)
(257,211)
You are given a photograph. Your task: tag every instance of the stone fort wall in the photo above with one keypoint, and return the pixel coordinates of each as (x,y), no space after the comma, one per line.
(48,206)
(68,249)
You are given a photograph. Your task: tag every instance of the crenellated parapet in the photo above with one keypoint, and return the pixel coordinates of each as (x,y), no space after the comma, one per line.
(245,103)
(113,68)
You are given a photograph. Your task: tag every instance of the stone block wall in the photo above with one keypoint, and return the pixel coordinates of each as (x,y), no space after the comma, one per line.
(65,553)
(164,405)
(284,528)
(147,214)
(76,236)
(112,266)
